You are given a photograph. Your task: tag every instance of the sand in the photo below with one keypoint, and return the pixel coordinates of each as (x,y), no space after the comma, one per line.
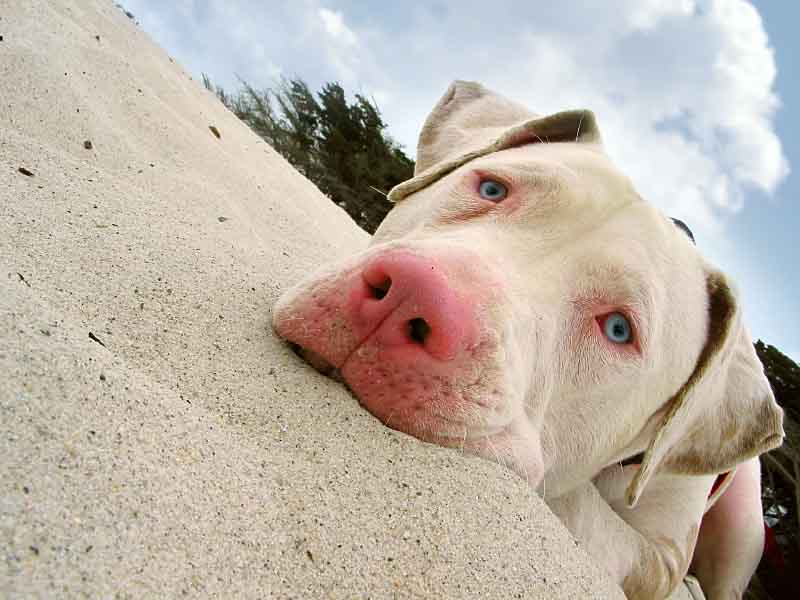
(156,439)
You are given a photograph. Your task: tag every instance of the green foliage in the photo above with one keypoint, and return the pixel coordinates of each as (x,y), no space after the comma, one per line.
(784,375)
(780,469)
(339,145)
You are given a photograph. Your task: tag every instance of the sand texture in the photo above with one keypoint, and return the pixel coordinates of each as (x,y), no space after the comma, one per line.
(156,439)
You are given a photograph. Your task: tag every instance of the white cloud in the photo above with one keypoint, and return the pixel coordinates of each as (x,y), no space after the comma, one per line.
(645,14)
(336,28)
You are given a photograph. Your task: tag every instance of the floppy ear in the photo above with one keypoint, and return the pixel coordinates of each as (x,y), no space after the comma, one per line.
(725,413)
(471,121)
(467,110)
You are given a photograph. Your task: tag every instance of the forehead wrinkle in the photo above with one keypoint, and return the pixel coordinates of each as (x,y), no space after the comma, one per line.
(584,178)
(521,170)
(574,162)
(617,278)
(620,284)
(588,217)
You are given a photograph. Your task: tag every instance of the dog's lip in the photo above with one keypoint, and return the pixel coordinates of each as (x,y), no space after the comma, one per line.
(470,433)
(454,430)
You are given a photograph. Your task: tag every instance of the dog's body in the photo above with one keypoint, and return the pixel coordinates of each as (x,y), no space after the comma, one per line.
(523,303)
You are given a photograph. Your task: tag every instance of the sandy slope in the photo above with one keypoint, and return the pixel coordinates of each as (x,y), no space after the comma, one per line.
(155,437)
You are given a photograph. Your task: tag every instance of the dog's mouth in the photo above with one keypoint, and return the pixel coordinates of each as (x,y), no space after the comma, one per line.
(439,420)
(512,442)
(438,408)
(636,459)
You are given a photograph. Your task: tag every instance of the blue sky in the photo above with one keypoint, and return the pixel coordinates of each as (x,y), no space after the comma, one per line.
(769,227)
(693,97)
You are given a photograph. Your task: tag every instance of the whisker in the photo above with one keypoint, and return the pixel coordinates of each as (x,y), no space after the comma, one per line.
(391,414)
(546,443)
(498,459)
(517,460)
(382,193)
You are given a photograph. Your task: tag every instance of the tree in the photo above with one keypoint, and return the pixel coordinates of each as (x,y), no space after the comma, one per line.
(339,145)
(780,472)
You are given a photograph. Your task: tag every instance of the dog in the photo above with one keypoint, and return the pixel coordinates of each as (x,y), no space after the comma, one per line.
(521,302)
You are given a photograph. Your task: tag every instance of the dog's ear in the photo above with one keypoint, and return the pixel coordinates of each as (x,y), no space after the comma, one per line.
(470,121)
(464,115)
(725,413)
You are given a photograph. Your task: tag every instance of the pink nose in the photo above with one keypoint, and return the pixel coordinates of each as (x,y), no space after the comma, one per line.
(406,301)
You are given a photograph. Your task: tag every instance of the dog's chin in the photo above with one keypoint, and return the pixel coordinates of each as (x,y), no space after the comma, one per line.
(461,424)
(514,445)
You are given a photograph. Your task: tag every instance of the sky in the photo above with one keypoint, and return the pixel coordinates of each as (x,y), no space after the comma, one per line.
(693,97)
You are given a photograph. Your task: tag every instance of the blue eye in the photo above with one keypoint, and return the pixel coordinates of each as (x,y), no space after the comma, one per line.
(494,191)
(617,328)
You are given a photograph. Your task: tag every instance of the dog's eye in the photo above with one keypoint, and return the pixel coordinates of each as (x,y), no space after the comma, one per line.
(617,328)
(491,190)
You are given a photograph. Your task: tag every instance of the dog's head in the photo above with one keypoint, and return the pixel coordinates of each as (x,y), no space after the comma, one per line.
(523,303)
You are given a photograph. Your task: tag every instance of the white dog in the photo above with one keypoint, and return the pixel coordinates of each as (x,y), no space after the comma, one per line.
(523,303)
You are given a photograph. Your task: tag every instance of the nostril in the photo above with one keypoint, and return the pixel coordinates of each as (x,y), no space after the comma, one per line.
(419,330)
(379,291)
